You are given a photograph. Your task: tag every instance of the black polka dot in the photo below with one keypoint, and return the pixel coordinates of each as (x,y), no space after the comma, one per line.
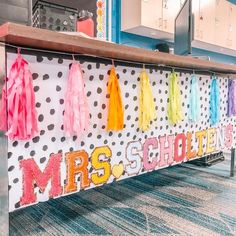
(63,139)
(51,127)
(40,118)
(89,67)
(32,153)
(20,158)
(58,88)
(36,89)
(48,99)
(15,144)
(42,132)
(101,77)
(38,104)
(52,111)
(17,205)
(97,65)
(39,58)
(60,61)
(35,76)
(99,90)
(100,115)
(27,145)
(36,139)
(88,94)
(61,101)
(53,139)
(45,148)
(91,77)
(11,168)
(45,77)
(59,75)
(42,160)
(16,180)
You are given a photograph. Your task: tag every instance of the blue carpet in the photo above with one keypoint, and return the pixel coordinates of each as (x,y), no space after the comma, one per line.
(181,200)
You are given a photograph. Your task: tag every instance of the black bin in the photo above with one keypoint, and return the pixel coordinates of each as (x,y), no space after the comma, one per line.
(54,17)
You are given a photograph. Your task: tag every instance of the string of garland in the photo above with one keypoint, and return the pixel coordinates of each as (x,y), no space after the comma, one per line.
(18,96)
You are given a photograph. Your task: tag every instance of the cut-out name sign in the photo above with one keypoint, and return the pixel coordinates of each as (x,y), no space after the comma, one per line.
(154,153)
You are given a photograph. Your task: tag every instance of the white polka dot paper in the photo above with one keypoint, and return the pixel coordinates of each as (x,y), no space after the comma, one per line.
(50,78)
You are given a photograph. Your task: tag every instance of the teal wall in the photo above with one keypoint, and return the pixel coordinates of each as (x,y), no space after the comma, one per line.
(139,41)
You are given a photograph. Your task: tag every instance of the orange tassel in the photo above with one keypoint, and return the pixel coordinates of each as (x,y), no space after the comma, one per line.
(115,106)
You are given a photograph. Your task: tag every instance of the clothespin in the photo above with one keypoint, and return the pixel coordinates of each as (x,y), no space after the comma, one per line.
(73,57)
(18,50)
(143,66)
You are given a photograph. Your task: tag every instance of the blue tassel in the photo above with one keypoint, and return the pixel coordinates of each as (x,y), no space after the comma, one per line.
(214,102)
(194,104)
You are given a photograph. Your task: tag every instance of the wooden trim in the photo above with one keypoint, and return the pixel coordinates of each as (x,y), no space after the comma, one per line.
(26,36)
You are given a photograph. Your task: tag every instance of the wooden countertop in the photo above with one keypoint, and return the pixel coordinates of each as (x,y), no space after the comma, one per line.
(26,36)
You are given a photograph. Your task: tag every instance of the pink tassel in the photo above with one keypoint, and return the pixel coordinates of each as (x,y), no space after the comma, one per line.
(76,116)
(20,99)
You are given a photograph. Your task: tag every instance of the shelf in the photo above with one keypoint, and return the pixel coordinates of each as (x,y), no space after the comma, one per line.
(25,36)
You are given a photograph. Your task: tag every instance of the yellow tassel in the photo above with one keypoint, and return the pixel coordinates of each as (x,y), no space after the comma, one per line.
(174,107)
(147,111)
(115,106)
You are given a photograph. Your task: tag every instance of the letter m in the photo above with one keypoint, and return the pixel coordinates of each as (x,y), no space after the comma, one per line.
(32,175)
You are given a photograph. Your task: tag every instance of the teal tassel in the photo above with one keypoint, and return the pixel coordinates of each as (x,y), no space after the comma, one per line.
(214,102)
(194,104)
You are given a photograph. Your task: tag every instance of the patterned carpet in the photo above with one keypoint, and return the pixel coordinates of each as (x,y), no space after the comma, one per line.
(181,200)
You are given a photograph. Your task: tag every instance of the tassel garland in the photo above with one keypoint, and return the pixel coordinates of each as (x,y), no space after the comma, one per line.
(231,98)
(76,115)
(115,106)
(18,100)
(174,106)
(214,102)
(194,105)
(147,111)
